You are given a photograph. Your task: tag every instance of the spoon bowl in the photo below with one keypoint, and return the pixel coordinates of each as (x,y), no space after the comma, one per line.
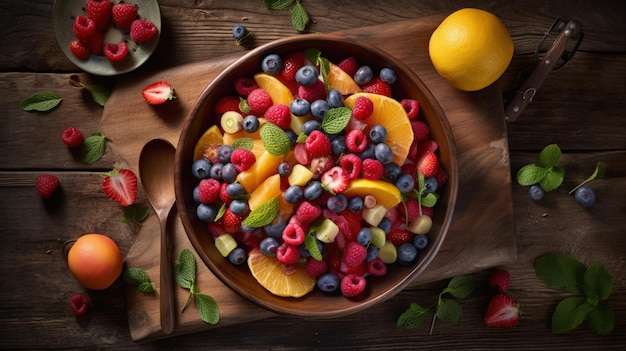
(156,170)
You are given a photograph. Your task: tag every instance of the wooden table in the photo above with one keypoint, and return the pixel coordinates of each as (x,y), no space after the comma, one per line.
(579,108)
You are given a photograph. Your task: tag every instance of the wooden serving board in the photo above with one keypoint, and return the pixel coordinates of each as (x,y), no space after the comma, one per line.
(482,233)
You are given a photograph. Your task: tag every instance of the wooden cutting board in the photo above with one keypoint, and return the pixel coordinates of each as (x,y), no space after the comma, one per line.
(482,231)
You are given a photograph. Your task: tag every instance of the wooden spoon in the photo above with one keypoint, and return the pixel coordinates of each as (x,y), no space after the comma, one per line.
(156,169)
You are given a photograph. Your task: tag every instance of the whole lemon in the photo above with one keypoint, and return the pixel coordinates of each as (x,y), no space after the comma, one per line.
(95,261)
(471,49)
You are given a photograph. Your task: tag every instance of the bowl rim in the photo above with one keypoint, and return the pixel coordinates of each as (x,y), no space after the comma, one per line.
(451,185)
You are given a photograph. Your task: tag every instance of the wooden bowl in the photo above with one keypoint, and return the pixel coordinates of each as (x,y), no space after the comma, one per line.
(238,278)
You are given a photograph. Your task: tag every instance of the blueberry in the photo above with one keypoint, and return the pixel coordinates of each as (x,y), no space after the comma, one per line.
(237,256)
(309,126)
(229,173)
(392,171)
(223,153)
(206,213)
(235,190)
(337,203)
(369,152)
(319,108)
(268,246)
(293,194)
(300,107)
(407,253)
(363,75)
(383,153)
(420,241)
(239,207)
(334,98)
(585,196)
(284,169)
(307,75)
(372,253)
(201,168)
(328,282)
(293,138)
(388,75)
(196,197)
(239,31)
(536,192)
(430,185)
(216,171)
(272,64)
(385,225)
(338,145)
(405,183)
(313,190)
(251,124)
(275,229)
(378,134)
(364,236)
(355,204)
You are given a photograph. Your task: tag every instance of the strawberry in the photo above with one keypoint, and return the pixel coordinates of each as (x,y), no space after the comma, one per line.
(121,185)
(441,176)
(142,30)
(46,184)
(291,64)
(409,210)
(79,50)
(501,280)
(502,312)
(84,28)
(399,237)
(100,12)
(158,93)
(124,15)
(231,223)
(335,180)
(349,65)
(428,164)
(377,86)
(317,91)
(227,103)
(115,52)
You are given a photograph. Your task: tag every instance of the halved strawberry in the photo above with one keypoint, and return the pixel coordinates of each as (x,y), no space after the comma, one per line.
(428,164)
(121,185)
(335,180)
(502,312)
(377,86)
(157,93)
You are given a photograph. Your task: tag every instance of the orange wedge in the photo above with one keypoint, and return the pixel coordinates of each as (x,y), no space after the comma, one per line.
(340,80)
(212,136)
(280,94)
(390,114)
(269,273)
(267,190)
(386,194)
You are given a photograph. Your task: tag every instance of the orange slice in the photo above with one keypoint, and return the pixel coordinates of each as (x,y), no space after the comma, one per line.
(280,94)
(340,80)
(386,194)
(265,166)
(267,190)
(269,273)
(390,114)
(212,136)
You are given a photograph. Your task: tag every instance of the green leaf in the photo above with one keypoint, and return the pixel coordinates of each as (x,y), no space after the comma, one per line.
(299,17)
(43,101)
(448,311)
(263,214)
(139,279)
(429,200)
(336,120)
(207,308)
(277,4)
(601,320)
(244,107)
(243,143)
(146,288)
(550,155)
(100,94)
(324,70)
(560,271)
(553,178)
(460,287)
(597,173)
(220,212)
(570,313)
(136,213)
(530,174)
(186,269)
(301,138)
(412,317)
(597,282)
(310,242)
(312,54)
(275,140)
(93,147)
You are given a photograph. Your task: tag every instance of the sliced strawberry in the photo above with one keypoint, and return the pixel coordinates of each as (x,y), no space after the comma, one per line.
(157,93)
(428,164)
(121,185)
(291,64)
(335,180)
(501,280)
(502,312)
(377,86)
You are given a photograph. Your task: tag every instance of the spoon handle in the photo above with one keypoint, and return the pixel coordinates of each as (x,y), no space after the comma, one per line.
(167,290)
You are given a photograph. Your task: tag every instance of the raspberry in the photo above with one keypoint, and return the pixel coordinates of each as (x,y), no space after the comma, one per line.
(231,223)
(441,176)
(209,190)
(399,237)
(124,15)
(259,101)
(372,169)
(411,211)
(317,144)
(352,164)
(250,240)
(376,267)
(317,91)
(421,131)
(287,254)
(72,137)
(352,285)
(428,211)
(356,141)
(79,50)
(100,12)
(95,43)
(142,30)
(411,107)
(293,234)
(244,85)
(224,195)
(349,65)
(291,64)
(377,86)
(46,184)
(227,103)
(242,159)
(79,304)
(280,115)
(354,254)
(363,108)
(315,268)
(115,52)
(307,212)
(84,28)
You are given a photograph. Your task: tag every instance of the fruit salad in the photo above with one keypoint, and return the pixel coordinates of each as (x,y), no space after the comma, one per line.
(315,176)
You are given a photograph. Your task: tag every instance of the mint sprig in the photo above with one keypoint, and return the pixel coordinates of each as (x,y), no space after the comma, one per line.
(547,174)
(446,309)
(185,271)
(139,279)
(274,139)
(597,173)
(315,56)
(299,16)
(592,286)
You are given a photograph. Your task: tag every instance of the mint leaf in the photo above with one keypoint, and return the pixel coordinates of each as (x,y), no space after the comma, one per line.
(412,317)
(43,101)
(553,179)
(601,320)
(550,155)
(277,4)
(313,55)
(244,107)
(301,138)
(100,94)
(570,313)
(243,143)
(186,269)
(336,120)
(597,282)
(263,214)
(136,213)
(299,17)
(207,308)
(449,311)
(560,271)
(92,148)
(139,279)
(275,140)
(460,287)
(531,174)
(597,173)
(324,70)
(310,242)
(429,200)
